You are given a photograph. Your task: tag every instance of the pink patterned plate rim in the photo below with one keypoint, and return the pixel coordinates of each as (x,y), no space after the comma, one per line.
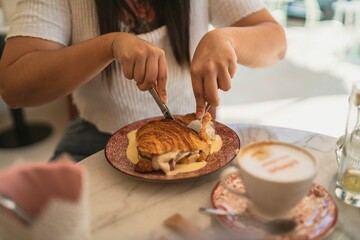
(316,215)
(115,153)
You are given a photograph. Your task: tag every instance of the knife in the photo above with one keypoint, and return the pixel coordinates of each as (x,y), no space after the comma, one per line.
(164,109)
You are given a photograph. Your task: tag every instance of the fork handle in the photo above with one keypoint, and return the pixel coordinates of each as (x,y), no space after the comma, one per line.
(207,107)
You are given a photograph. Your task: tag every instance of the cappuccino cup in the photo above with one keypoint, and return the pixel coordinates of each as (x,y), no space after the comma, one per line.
(276,176)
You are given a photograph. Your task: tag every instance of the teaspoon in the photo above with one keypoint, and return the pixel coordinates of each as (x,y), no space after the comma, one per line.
(276,226)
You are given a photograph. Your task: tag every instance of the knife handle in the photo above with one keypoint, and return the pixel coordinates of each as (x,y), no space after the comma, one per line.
(164,109)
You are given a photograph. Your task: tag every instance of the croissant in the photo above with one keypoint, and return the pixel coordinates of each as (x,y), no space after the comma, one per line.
(207,131)
(164,143)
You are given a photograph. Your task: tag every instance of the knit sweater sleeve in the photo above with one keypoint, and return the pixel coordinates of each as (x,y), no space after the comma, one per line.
(45,19)
(226,12)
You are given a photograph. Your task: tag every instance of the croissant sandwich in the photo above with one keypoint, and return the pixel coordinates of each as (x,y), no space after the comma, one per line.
(164,143)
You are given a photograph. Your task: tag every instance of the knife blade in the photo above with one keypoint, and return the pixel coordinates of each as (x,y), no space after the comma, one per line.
(164,109)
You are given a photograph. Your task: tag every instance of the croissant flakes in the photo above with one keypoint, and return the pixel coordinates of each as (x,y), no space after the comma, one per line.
(164,143)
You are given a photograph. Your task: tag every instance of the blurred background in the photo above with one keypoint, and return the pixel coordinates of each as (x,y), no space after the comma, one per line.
(308,90)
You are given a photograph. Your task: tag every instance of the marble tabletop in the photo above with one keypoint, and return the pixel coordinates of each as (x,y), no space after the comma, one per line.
(124,207)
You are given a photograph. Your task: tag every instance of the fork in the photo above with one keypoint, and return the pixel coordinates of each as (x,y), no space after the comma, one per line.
(197,124)
(275,226)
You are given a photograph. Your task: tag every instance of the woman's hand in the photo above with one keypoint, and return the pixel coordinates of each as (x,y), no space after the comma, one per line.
(32,186)
(141,61)
(256,40)
(212,68)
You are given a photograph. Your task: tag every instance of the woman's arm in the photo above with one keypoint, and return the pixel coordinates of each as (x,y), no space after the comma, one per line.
(255,41)
(258,40)
(35,71)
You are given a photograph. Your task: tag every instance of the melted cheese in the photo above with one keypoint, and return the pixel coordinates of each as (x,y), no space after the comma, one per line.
(161,162)
(183,168)
(131,151)
(216,144)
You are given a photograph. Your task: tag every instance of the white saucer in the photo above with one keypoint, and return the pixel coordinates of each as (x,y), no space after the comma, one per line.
(315,215)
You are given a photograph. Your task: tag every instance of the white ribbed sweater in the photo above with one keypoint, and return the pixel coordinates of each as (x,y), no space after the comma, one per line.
(72,21)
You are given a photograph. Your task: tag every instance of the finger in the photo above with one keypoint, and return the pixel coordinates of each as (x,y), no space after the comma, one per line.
(139,69)
(162,79)
(224,80)
(211,89)
(128,69)
(212,112)
(151,73)
(232,68)
(198,89)
(69,173)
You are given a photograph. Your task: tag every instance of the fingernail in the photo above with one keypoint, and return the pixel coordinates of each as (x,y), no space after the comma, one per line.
(164,99)
(199,115)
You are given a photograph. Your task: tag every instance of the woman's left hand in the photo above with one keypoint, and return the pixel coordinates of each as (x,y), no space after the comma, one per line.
(256,40)
(212,68)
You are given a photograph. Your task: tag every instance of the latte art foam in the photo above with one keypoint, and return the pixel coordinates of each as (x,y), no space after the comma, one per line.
(278,162)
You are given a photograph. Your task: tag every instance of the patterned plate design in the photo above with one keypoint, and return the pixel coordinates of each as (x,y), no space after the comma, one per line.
(115,153)
(315,215)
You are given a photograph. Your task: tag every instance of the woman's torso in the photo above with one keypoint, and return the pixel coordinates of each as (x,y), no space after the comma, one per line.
(72,21)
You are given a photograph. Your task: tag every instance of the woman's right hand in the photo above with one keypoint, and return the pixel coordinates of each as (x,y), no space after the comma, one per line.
(60,69)
(141,61)
(32,186)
